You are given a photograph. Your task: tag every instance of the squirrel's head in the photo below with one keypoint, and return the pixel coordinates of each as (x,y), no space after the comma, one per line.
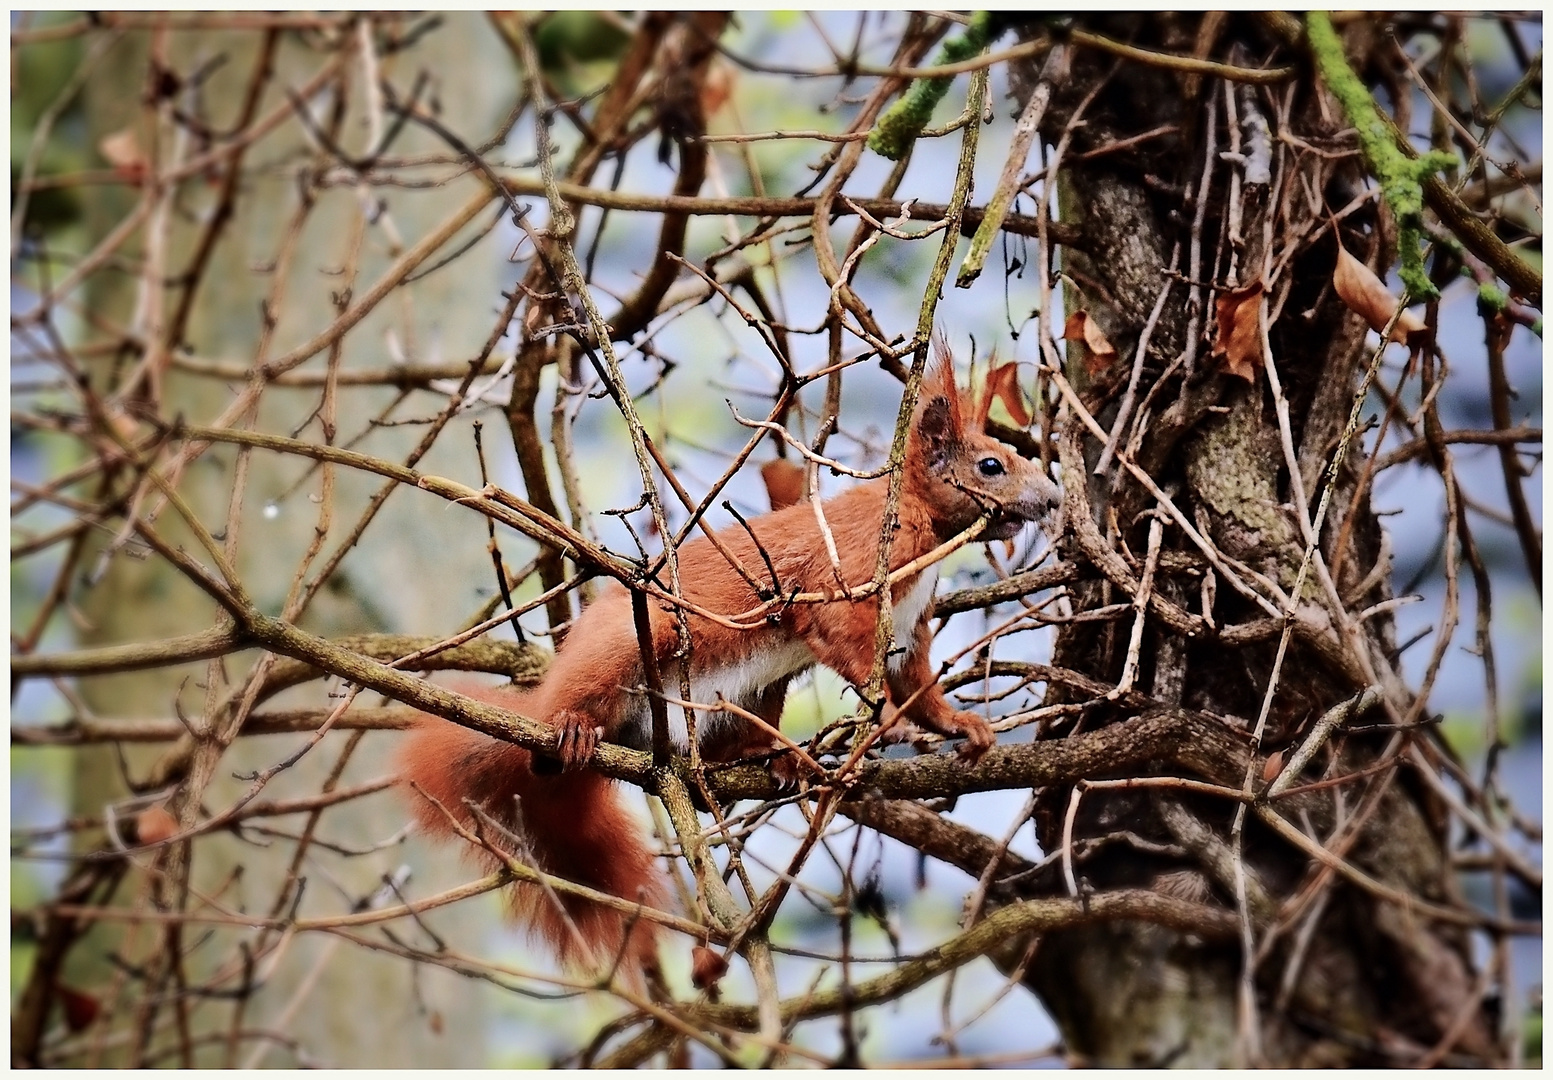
(962,472)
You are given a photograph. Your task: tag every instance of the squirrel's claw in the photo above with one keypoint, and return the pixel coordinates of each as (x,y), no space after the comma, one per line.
(979,736)
(579,737)
(787,769)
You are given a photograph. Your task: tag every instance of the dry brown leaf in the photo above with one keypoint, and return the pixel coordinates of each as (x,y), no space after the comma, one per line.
(706,967)
(122,150)
(154,825)
(1272,767)
(1080,327)
(1239,340)
(1367,296)
(1003,385)
(717,87)
(784,482)
(80,1009)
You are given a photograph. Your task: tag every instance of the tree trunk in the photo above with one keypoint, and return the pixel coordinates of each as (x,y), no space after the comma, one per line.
(1345,978)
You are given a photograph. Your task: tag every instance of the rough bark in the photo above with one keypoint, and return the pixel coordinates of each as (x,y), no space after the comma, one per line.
(1130,994)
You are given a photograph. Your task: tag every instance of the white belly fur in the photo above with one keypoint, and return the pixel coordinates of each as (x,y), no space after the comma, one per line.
(739,681)
(908,610)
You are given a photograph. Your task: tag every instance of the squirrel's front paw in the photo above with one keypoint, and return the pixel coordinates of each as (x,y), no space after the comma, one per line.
(579,737)
(979,736)
(787,769)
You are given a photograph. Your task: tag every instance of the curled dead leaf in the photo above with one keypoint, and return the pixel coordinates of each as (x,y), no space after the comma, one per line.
(1367,296)
(1003,385)
(80,1009)
(707,967)
(1272,767)
(533,318)
(1239,339)
(1080,327)
(717,87)
(784,482)
(155,824)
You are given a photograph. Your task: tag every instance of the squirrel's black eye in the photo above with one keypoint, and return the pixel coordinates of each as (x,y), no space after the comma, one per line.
(990,466)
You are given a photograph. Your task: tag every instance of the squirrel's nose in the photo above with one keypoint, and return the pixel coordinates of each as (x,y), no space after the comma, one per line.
(1046,492)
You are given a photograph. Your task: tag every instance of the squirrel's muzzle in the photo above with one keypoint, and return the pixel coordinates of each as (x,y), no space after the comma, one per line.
(1038,497)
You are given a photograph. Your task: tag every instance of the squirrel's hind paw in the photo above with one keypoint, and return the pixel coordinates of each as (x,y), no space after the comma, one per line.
(787,769)
(979,736)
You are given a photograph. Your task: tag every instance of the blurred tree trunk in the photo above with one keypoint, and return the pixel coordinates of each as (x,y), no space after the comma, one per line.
(1372,983)
(376,1010)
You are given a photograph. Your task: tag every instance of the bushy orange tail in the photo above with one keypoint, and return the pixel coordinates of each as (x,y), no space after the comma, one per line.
(571,826)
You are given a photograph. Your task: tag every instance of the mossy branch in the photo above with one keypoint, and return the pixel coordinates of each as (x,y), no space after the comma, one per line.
(899,127)
(1401,177)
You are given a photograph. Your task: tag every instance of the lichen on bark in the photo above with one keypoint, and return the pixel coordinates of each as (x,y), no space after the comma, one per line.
(1401,177)
(897,130)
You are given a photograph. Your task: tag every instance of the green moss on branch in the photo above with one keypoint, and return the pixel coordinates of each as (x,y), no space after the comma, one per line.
(1401,178)
(902,122)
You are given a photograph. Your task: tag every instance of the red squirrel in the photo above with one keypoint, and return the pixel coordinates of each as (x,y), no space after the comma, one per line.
(572,823)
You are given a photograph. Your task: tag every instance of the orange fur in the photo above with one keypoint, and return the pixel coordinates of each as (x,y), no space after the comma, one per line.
(573,823)
(572,826)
